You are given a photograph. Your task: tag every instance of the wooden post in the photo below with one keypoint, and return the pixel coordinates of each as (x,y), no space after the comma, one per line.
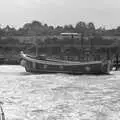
(117,61)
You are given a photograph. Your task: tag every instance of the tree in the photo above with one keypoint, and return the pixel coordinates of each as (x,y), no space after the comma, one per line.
(69,28)
(81,27)
(91,28)
(58,30)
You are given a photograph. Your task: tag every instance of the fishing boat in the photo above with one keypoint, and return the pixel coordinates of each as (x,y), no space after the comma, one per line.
(44,64)
(33,64)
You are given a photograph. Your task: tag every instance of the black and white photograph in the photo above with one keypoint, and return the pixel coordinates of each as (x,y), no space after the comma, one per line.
(59,59)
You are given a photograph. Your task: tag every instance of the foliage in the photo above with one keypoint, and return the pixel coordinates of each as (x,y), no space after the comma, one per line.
(36,28)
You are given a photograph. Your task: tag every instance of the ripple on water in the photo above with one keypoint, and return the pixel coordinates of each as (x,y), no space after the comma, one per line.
(58,96)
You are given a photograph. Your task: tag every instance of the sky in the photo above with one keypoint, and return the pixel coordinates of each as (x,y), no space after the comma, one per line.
(105,13)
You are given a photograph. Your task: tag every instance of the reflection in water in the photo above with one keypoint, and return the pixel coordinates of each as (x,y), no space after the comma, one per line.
(58,96)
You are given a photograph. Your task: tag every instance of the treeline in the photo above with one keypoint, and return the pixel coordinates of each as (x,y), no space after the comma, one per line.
(36,28)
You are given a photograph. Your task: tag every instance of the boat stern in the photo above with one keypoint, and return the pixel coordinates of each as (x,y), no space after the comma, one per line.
(106,67)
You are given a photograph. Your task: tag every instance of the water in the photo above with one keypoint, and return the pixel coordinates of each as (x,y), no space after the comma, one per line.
(59,96)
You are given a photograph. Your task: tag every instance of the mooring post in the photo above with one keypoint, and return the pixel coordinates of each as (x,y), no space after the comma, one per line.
(117,61)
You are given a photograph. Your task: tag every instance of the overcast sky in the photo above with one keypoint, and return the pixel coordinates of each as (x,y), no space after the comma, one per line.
(60,12)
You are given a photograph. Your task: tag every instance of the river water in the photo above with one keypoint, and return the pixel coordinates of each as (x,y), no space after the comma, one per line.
(59,96)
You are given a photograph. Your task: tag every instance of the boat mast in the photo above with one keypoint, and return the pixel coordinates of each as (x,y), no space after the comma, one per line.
(91,42)
(36,48)
(82,40)
(91,45)
(108,53)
